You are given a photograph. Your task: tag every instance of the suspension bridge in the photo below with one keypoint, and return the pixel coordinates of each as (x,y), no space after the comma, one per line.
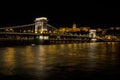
(39,32)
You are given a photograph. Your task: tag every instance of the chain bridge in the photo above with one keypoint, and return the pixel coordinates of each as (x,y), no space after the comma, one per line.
(39,32)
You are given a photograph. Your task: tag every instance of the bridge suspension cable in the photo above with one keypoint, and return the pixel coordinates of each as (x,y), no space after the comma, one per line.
(51,26)
(26,26)
(19,26)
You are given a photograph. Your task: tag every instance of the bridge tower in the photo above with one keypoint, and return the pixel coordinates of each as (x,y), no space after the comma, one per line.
(41,25)
(92,33)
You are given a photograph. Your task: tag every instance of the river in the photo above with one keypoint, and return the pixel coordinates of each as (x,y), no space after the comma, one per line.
(83,61)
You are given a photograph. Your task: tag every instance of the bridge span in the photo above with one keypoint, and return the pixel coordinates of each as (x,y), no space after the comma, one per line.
(39,32)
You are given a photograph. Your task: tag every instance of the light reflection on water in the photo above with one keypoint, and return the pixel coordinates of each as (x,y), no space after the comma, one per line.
(8,60)
(62,60)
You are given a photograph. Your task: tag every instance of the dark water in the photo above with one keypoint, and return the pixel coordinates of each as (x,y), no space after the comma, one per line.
(83,61)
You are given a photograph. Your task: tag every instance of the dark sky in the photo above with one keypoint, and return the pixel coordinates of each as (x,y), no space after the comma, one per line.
(61,13)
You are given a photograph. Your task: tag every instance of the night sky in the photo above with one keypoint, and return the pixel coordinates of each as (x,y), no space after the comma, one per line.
(61,13)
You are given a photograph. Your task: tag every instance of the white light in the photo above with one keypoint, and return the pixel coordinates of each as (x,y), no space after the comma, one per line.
(41,18)
(93,39)
(40,37)
(46,37)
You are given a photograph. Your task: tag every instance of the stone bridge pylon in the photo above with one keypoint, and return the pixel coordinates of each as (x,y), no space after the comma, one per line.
(41,24)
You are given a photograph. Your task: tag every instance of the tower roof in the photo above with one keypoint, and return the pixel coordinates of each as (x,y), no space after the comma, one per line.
(41,18)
